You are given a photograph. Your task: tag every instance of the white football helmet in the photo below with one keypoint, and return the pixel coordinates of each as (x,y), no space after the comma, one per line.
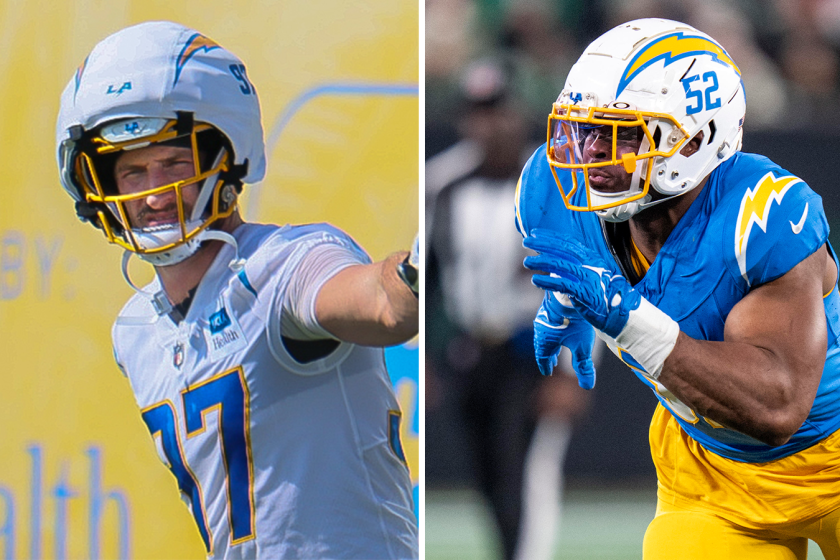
(159,82)
(656,81)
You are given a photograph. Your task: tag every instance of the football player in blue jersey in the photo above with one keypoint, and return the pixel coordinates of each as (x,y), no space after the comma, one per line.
(708,271)
(255,355)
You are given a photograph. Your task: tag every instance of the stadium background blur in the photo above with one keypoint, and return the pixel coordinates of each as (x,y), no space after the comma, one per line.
(338,83)
(789,53)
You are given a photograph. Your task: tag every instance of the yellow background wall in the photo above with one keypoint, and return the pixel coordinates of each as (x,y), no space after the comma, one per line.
(79,477)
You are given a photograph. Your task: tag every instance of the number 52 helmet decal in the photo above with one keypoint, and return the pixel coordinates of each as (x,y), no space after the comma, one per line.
(645,89)
(159,83)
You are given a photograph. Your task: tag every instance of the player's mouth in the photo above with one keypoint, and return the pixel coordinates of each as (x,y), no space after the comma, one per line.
(158,220)
(601,179)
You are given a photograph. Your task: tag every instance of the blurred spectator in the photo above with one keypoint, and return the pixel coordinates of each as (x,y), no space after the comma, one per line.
(788,50)
(543,36)
(480,309)
(727,22)
(826,17)
(809,60)
(767,96)
(812,69)
(450,42)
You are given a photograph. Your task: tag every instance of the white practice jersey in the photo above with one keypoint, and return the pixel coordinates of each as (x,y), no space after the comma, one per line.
(275,458)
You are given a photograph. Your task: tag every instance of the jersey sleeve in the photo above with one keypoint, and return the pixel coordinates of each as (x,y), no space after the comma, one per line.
(318,252)
(321,262)
(778,222)
(117,359)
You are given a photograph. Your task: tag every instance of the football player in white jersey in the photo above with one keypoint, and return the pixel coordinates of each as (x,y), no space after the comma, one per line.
(255,355)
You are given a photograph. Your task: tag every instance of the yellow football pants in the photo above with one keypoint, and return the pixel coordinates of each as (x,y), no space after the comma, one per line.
(692,535)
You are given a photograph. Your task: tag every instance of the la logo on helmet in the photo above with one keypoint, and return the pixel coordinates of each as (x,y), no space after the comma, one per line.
(126,86)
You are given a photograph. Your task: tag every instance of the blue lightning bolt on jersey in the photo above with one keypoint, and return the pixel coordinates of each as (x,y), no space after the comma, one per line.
(751,223)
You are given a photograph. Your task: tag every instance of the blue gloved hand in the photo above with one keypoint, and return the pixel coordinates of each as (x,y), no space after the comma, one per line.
(557,325)
(604,299)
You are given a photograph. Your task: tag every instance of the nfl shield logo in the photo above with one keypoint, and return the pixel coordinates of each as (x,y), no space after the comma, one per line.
(178,355)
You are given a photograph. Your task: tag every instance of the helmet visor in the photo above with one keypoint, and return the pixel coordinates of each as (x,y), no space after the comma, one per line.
(154,217)
(605,150)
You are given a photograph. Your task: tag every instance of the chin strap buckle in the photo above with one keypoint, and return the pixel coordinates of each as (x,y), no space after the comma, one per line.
(161,303)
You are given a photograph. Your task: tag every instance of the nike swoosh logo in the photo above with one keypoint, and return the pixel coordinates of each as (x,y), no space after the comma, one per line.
(562,327)
(798,227)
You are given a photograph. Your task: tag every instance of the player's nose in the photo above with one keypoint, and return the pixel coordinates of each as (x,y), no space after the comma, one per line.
(599,147)
(161,199)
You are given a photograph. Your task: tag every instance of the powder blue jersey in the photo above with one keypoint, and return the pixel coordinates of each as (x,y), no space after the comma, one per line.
(751,223)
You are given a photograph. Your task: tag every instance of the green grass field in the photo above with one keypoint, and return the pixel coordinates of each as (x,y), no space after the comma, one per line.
(596,525)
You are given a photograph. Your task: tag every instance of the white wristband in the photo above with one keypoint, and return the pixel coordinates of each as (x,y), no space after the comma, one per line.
(649,336)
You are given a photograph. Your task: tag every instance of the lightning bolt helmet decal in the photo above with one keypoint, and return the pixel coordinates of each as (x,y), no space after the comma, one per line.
(125,97)
(671,48)
(667,81)
(193,45)
(78,76)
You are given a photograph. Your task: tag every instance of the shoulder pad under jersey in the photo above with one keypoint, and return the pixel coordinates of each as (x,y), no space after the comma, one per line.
(773,222)
(281,252)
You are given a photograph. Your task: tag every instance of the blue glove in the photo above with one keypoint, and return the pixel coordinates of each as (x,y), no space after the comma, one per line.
(604,299)
(557,325)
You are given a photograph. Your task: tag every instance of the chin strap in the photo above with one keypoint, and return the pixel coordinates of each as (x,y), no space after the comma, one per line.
(645,205)
(236,264)
(159,300)
(622,214)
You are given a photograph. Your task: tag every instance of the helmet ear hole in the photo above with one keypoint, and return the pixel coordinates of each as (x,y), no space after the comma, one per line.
(657,136)
(104,165)
(210,143)
(693,145)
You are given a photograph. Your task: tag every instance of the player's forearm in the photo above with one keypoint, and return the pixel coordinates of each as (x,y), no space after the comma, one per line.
(370,304)
(741,386)
(398,316)
(761,381)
